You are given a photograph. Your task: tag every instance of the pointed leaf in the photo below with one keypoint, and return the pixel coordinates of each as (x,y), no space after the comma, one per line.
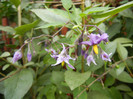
(5,54)
(7,29)
(114,11)
(66,4)
(16,2)
(122,51)
(18,85)
(75,79)
(124,76)
(51,16)
(25,28)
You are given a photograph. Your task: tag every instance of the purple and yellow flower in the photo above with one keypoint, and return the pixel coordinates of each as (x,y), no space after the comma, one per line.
(95,39)
(17,55)
(63,57)
(90,59)
(105,56)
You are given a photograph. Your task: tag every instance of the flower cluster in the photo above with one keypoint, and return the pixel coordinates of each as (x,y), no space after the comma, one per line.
(94,40)
(63,57)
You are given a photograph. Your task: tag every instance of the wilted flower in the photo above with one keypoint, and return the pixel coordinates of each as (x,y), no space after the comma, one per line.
(63,57)
(90,59)
(17,56)
(105,56)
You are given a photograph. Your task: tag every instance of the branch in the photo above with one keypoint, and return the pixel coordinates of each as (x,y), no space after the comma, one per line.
(11,75)
(102,76)
(16,66)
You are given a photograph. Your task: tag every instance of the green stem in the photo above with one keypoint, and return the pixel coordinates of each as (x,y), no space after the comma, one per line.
(20,37)
(83,23)
(16,66)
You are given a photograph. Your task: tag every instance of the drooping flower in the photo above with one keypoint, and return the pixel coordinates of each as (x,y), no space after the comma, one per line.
(63,57)
(105,56)
(29,55)
(90,59)
(17,55)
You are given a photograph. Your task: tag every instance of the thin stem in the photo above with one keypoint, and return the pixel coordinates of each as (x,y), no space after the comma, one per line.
(113,65)
(20,37)
(10,75)
(16,66)
(83,23)
(2,74)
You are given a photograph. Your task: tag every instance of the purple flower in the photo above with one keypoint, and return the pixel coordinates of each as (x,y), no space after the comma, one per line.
(63,57)
(29,56)
(17,56)
(104,37)
(53,53)
(90,59)
(94,39)
(105,56)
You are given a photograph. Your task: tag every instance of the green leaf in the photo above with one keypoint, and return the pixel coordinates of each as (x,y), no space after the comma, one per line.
(7,29)
(120,69)
(16,2)
(127,13)
(77,91)
(66,4)
(95,86)
(2,87)
(123,87)
(57,77)
(97,95)
(114,11)
(5,67)
(75,79)
(114,93)
(123,40)
(29,64)
(18,85)
(114,29)
(111,48)
(44,79)
(24,4)
(5,54)
(130,93)
(25,28)
(109,81)
(124,76)
(95,9)
(52,16)
(122,51)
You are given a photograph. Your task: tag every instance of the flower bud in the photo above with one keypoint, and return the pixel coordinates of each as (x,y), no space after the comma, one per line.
(17,55)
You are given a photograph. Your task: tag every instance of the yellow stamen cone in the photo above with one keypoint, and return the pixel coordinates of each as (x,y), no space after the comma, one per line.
(63,63)
(95,48)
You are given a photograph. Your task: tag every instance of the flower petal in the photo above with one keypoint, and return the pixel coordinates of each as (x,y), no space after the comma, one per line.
(59,60)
